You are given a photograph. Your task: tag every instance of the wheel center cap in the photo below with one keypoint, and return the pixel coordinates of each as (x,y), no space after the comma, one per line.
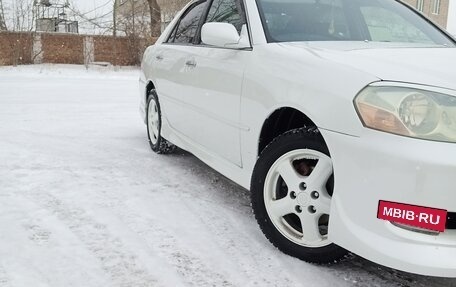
(303,199)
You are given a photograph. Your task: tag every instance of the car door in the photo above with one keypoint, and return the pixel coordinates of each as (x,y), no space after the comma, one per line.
(174,77)
(214,96)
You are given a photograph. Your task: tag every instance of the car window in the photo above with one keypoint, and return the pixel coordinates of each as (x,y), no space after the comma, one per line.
(227,11)
(186,29)
(387,26)
(346,20)
(309,20)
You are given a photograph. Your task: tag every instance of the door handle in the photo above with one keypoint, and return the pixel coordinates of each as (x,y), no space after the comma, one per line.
(191,63)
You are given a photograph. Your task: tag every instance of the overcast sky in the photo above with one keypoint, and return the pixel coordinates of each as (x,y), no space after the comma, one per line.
(87,5)
(93,9)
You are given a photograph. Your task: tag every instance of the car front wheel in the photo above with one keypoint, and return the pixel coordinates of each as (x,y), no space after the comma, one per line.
(291,194)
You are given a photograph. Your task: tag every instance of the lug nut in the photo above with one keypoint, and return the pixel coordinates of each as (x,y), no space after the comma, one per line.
(298,209)
(303,186)
(315,195)
(312,209)
(293,195)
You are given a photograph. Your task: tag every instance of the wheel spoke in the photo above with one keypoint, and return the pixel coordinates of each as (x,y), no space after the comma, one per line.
(310,230)
(289,175)
(154,130)
(321,172)
(155,117)
(281,207)
(153,106)
(323,203)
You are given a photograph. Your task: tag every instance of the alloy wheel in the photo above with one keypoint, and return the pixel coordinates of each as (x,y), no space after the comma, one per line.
(296,196)
(153,121)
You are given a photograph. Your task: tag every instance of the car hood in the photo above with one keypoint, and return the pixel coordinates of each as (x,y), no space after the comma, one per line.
(419,64)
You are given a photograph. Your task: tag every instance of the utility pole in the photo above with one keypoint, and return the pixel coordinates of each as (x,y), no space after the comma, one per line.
(114,18)
(2,18)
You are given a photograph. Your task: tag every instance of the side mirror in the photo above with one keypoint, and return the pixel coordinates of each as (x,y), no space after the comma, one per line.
(223,35)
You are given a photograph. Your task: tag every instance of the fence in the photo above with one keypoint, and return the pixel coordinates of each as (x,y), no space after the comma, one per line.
(17,48)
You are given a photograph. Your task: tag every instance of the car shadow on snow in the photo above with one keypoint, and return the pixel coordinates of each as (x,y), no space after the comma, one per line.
(357,270)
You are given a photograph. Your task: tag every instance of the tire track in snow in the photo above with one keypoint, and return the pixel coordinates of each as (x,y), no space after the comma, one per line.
(190,267)
(4,282)
(250,258)
(121,265)
(37,233)
(238,251)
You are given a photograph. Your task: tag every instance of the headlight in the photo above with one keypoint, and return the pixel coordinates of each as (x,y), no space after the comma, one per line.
(408,112)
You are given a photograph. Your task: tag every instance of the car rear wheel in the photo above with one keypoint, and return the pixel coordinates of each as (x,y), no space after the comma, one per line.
(154,123)
(291,194)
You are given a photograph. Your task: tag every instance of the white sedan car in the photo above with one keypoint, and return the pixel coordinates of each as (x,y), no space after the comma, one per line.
(338,115)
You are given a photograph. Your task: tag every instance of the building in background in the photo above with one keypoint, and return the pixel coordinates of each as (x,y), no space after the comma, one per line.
(436,10)
(52,17)
(451,25)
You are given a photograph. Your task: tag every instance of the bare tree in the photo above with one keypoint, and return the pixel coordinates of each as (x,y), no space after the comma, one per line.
(155,18)
(23,16)
(132,19)
(2,18)
(114,18)
(169,9)
(155,11)
(95,21)
(17,16)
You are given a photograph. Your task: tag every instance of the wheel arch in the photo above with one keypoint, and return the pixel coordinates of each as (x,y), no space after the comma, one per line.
(281,120)
(145,87)
(149,87)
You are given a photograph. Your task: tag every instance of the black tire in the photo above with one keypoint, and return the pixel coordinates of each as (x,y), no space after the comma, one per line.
(158,144)
(303,138)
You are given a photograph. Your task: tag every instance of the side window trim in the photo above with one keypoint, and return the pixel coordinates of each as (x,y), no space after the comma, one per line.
(197,40)
(172,34)
(176,26)
(247,21)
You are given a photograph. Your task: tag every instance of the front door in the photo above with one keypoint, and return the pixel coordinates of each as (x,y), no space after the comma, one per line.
(215,95)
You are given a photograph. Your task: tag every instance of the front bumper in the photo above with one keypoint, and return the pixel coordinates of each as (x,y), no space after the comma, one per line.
(380,166)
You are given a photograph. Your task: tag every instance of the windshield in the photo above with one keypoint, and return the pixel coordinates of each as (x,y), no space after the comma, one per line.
(346,20)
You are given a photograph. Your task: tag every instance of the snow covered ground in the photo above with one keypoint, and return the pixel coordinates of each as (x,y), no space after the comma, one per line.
(84,201)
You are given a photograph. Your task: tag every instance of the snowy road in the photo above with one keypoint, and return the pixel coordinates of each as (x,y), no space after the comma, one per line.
(84,202)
